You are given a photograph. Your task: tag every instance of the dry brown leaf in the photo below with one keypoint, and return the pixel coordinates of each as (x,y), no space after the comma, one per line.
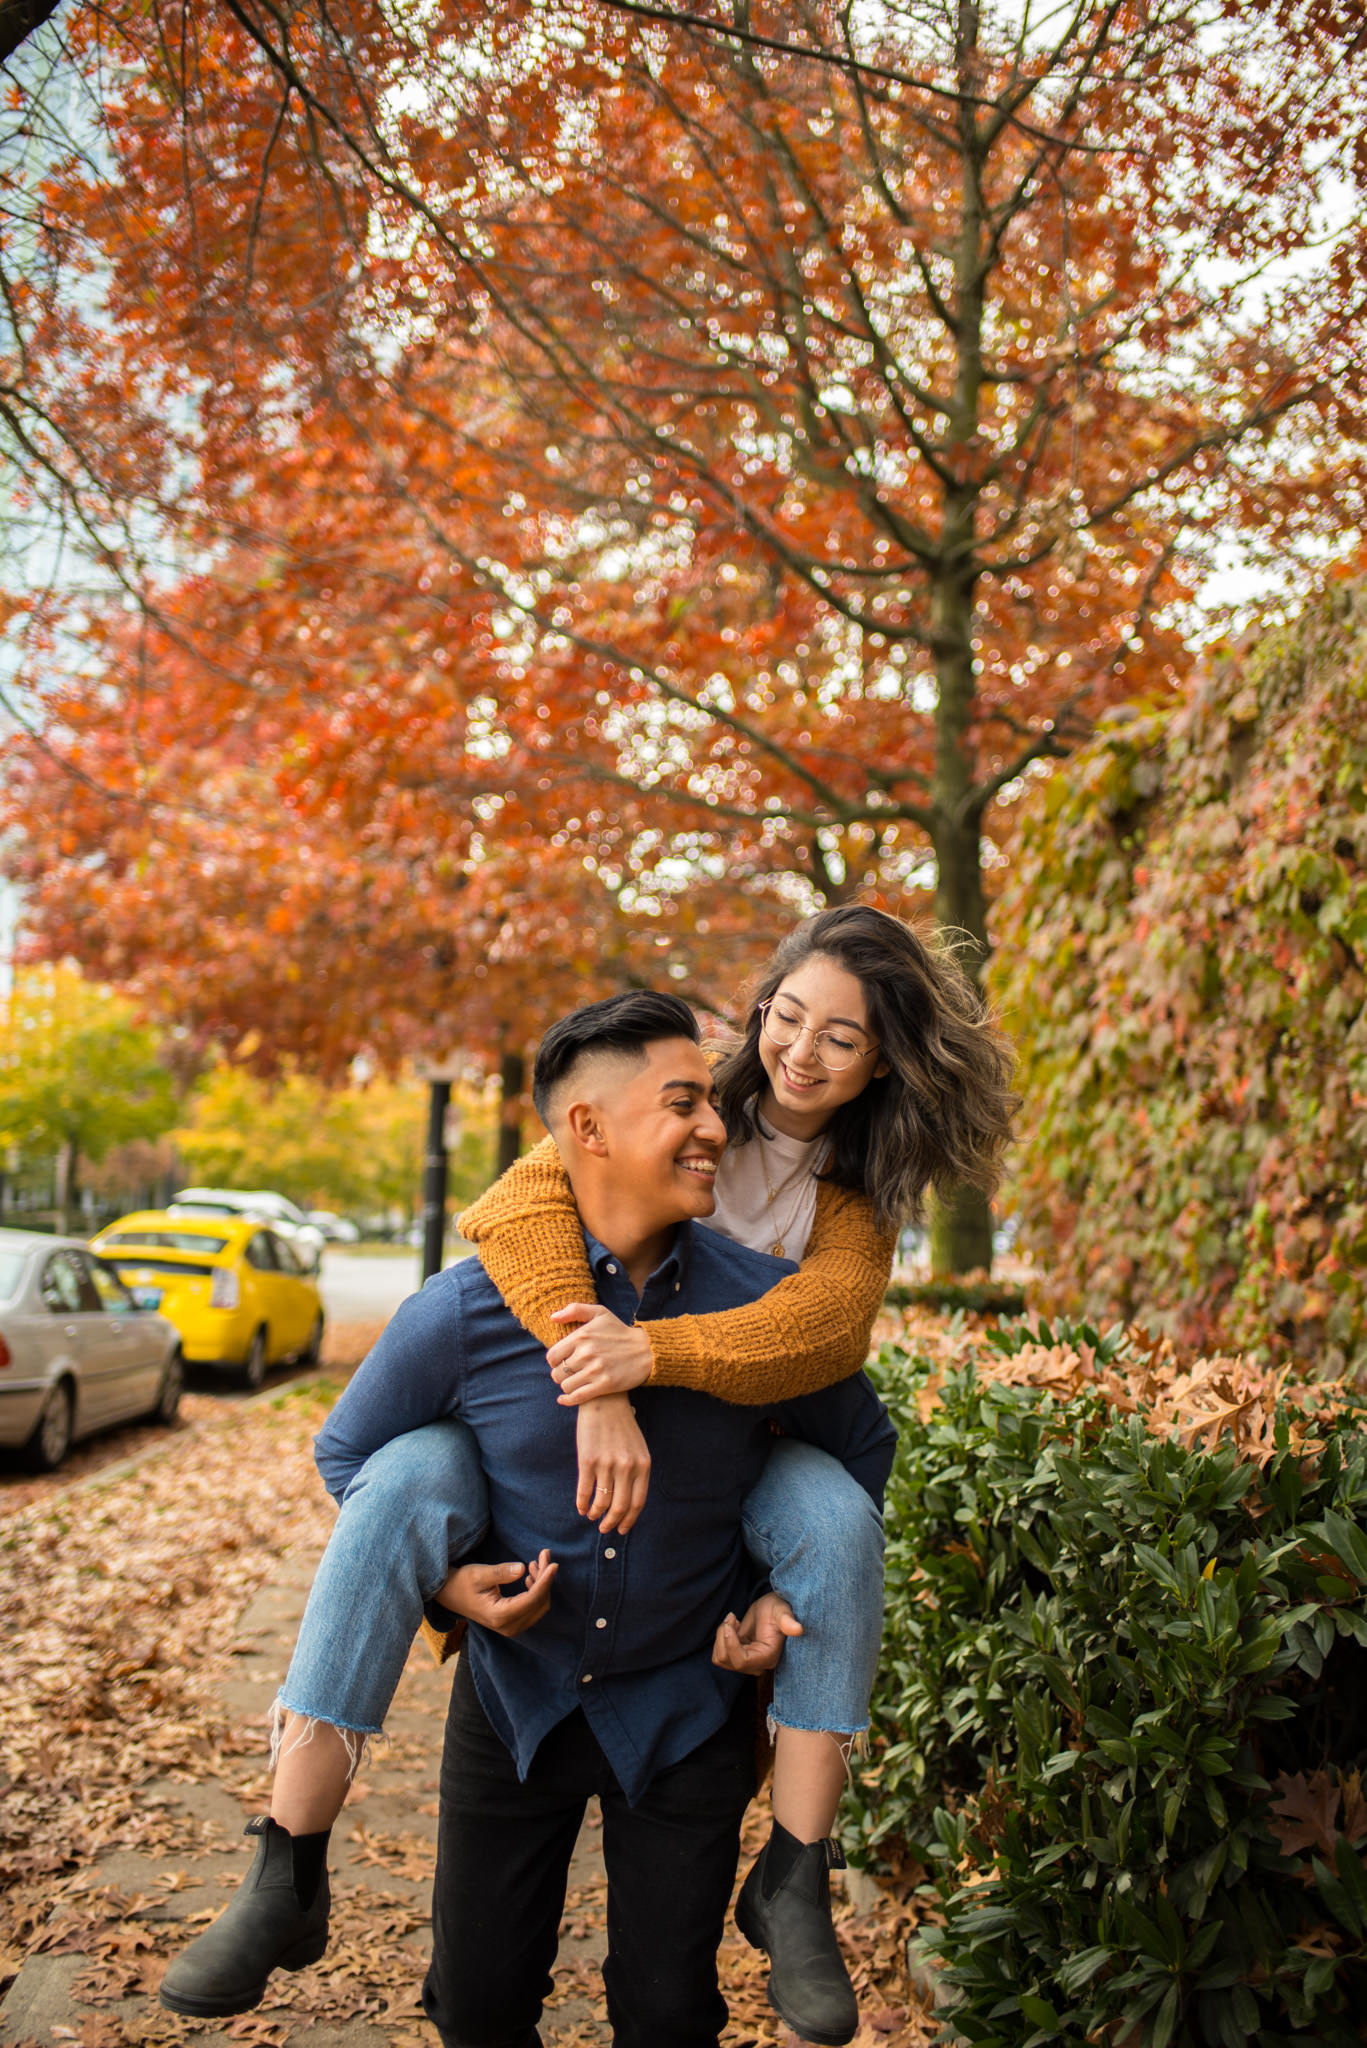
(1307,1810)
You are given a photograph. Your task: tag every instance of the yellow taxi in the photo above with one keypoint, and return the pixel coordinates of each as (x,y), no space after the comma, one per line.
(231,1285)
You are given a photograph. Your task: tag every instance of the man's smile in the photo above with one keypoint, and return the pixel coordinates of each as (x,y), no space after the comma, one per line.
(701,1164)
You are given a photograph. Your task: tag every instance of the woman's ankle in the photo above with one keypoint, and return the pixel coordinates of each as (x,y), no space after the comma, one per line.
(811,1770)
(315,1764)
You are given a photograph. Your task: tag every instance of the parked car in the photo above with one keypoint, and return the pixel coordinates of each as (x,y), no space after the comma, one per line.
(232,1286)
(78,1350)
(336,1229)
(277,1210)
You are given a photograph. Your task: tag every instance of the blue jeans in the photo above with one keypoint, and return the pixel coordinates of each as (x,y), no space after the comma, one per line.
(421,1501)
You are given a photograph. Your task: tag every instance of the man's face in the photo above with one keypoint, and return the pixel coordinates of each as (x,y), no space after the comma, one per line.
(663,1138)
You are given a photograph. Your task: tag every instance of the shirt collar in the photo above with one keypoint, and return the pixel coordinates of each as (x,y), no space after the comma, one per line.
(673,1267)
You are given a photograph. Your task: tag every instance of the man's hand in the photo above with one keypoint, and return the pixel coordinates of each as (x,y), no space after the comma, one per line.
(755,1643)
(605,1356)
(473,1590)
(614,1463)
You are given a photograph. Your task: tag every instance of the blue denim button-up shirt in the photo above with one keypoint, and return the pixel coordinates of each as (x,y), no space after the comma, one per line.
(629,1633)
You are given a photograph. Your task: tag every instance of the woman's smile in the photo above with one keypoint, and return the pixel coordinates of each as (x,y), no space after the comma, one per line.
(799,1083)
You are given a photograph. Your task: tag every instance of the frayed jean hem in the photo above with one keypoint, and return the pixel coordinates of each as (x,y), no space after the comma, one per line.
(357,1742)
(777,1721)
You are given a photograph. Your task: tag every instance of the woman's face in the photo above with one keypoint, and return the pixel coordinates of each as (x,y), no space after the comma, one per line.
(803,1095)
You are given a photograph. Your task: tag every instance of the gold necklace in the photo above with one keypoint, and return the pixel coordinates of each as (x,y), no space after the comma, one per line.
(777,1246)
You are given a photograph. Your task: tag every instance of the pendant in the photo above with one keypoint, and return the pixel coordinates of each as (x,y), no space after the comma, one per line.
(777,1248)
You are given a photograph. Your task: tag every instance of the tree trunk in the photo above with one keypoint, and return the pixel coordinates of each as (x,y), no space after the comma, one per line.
(67,1191)
(18,20)
(512,1079)
(961,1227)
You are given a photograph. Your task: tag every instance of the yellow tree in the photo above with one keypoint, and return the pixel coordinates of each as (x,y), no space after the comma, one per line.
(356,1147)
(78,1074)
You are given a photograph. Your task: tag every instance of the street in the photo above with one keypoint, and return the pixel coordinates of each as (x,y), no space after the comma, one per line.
(365,1287)
(360,1291)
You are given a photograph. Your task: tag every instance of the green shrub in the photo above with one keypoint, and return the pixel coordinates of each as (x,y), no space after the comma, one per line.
(1123,1705)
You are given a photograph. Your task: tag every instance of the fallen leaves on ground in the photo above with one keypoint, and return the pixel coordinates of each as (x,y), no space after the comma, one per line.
(121,1602)
(122,1599)
(204,1403)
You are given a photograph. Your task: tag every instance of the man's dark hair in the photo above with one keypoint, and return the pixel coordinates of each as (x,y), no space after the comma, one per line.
(627,1023)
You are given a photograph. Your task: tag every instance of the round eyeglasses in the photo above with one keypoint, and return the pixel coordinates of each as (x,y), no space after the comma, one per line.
(832,1052)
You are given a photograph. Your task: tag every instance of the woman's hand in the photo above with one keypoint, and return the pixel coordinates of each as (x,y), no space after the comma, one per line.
(605,1356)
(614,1463)
(473,1590)
(755,1643)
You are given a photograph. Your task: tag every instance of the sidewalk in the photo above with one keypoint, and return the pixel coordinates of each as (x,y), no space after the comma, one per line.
(149,1616)
(143,1907)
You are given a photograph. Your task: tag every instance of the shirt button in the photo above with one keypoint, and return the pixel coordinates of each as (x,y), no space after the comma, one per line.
(587,1679)
(600,1623)
(609,1553)
(677,1285)
(613,1271)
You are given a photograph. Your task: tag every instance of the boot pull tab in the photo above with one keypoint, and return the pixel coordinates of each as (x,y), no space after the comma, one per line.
(835,1855)
(258,1825)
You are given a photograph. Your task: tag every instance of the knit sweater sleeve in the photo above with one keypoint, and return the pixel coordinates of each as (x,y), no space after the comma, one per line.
(807,1332)
(531,1242)
(810,1330)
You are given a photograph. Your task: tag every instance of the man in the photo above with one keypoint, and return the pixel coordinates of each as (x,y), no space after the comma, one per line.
(605,1683)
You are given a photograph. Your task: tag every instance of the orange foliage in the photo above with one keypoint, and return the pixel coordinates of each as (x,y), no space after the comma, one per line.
(637,485)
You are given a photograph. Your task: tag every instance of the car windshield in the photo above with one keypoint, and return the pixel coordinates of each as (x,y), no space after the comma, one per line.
(210,1208)
(11,1274)
(168,1240)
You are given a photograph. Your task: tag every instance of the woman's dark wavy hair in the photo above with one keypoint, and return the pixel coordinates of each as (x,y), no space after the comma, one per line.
(941,1116)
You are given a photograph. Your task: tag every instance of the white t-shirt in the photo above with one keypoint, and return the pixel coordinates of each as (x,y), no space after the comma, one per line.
(744,1210)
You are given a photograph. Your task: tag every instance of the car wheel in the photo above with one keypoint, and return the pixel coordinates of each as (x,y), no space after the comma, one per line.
(254,1369)
(51,1439)
(313,1350)
(172,1387)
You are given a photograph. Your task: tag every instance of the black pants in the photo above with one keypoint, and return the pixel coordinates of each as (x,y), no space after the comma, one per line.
(503,1851)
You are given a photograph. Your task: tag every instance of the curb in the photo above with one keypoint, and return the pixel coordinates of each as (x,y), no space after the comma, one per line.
(109,1475)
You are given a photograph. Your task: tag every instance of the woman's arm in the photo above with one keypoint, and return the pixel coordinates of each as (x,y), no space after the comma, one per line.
(809,1331)
(531,1242)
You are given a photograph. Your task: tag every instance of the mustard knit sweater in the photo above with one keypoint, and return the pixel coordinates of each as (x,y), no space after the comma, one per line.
(810,1330)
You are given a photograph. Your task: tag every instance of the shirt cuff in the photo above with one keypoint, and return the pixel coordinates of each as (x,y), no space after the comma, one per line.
(444,1621)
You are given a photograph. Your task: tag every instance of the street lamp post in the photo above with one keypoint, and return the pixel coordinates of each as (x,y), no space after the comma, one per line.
(438,1079)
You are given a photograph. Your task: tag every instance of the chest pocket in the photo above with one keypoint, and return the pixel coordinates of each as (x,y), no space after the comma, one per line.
(701,1449)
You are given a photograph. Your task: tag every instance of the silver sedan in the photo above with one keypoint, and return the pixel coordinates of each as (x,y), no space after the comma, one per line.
(78,1350)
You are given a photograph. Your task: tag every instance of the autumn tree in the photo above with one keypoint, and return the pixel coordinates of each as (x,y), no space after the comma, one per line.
(799,425)
(356,1147)
(1183,958)
(78,1074)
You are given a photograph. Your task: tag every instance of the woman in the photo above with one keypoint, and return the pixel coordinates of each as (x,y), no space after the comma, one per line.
(868,1072)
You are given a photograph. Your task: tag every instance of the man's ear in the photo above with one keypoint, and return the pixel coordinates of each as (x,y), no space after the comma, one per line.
(584,1128)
